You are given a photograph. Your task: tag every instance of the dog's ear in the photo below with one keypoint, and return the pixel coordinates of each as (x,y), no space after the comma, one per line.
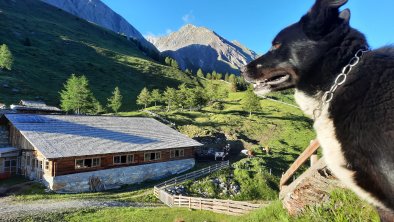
(324,17)
(345,15)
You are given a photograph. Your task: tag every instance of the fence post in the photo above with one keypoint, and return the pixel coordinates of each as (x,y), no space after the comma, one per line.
(228,205)
(190,202)
(209,169)
(200,204)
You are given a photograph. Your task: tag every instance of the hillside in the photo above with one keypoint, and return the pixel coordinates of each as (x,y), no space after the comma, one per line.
(97,12)
(198,47)
(49,45)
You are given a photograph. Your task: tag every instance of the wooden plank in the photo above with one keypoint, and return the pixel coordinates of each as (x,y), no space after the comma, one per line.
(299,161)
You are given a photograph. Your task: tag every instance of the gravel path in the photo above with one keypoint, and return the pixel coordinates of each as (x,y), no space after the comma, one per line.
(10,209)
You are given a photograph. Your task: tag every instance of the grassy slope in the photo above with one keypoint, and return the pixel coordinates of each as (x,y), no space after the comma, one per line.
(63,44)
(343,206)
(283,128)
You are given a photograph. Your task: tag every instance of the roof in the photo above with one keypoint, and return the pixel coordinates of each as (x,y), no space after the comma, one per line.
(8,151)
(35,106)
(57,136)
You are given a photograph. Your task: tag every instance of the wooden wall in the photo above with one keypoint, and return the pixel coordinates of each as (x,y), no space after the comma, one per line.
(65,166)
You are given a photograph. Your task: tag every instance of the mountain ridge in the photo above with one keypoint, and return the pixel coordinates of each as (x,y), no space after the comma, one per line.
(199,47)
(97,12)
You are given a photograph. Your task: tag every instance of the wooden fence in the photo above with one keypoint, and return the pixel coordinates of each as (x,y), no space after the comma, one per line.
(309,152)
(219,206)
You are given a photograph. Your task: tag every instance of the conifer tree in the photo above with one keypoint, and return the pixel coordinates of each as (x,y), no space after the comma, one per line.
(144,97)
(170,97)
(251,102)
(200,73)
(77,96)
(156,96)
(6,58)
(115,101)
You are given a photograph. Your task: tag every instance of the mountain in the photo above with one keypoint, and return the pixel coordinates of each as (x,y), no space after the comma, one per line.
(99,13)
(198,47)
(48,45)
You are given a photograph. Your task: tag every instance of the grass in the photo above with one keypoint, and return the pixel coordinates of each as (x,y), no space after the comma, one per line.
(282,128)
(343,206)
(62,44)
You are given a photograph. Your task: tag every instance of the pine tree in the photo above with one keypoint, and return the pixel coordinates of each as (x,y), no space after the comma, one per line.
(174,63)
(209,76)
(77,96)
(219,76)
(233,81)
(167,61)
(200,74)
(115,102)
(214,75)
(156,96)
(251,102)
(144,97)
(6,58)
(170,97)
(226,76)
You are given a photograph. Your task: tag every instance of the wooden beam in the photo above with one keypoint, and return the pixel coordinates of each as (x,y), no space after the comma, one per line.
(299,161)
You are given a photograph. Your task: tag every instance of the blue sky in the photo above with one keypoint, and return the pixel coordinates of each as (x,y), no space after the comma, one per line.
(254,23)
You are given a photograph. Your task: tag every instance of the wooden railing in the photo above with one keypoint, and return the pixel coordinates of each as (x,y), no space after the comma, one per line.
(309,152)
(194,175)
(220,206)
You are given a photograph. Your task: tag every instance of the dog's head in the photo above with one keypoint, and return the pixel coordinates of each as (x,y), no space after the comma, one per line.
(298,47)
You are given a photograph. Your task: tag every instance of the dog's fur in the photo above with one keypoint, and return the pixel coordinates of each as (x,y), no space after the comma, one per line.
(356,129)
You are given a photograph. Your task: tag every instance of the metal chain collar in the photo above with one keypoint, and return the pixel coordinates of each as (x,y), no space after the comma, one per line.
(340,80)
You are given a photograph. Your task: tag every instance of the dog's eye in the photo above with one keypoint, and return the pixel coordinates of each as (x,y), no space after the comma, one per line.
(275,46)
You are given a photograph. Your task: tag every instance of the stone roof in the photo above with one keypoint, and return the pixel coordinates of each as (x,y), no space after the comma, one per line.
(35,106)
(58,136)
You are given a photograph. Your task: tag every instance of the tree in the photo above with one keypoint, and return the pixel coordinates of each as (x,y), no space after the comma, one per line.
(156,96)
(167,61)
(209,76)
(233,81)
(144,97)
(226,77)
(174,63)
(77,96)
(219,76)
(251,102)
(214,75)
(115,101)
(200,74)
(170,97)
(6,58)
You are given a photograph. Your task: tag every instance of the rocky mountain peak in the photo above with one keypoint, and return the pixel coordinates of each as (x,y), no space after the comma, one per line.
(199,47)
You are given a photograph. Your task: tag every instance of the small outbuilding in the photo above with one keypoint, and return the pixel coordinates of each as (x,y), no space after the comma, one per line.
(88,153)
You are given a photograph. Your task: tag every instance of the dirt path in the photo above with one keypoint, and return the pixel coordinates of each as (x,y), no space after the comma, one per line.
(11,209)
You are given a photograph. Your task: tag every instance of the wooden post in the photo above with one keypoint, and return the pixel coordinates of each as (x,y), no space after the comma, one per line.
(314,159)
(200,203)
(190,202)
(228,205)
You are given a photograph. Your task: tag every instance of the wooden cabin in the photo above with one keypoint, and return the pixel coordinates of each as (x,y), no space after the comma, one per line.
(81,153)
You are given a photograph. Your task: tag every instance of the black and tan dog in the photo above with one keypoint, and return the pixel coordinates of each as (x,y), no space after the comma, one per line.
(354,121)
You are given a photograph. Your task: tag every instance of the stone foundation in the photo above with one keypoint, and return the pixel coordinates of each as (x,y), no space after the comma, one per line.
(114,178)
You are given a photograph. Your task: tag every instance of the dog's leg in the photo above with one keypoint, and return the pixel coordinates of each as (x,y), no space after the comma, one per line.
(385,215)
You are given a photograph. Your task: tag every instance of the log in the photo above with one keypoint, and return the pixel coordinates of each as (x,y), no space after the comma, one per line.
(312,188)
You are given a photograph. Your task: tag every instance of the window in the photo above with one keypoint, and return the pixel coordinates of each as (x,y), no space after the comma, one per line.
(152,156)
(46,165)
(87,163)
(124,159)
(177,153)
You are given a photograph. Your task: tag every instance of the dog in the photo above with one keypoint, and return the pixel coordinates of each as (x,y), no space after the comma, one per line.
(347,89)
